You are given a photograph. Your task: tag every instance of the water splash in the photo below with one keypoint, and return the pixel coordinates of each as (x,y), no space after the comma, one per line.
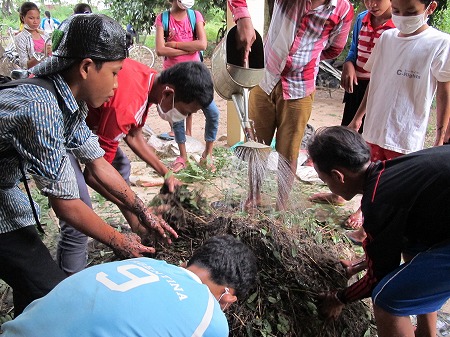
(257,181)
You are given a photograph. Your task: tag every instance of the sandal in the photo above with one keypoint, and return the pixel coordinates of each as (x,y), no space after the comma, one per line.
(178,165)
(207,163)
(166,136)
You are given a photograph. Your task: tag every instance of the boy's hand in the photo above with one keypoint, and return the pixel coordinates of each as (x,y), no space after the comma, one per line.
(171,182)
(155,223)
(129,245)
(348,77)
(330,307)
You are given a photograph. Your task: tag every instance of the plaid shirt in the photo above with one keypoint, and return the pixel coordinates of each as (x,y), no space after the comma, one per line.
(33,129)
(298,38)
(238,9)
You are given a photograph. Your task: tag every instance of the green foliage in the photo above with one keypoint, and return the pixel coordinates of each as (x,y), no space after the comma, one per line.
(194,172)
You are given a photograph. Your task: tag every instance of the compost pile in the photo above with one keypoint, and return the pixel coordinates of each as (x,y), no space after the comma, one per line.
(292,270)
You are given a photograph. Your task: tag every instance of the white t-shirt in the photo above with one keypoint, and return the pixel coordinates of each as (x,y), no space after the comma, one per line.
(49,25)
(404,76)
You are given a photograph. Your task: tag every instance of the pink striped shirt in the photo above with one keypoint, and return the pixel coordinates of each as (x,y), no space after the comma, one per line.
(368,37)
(319,33)
(297,39)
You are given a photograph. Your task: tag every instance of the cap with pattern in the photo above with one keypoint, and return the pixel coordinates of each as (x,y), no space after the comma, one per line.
(81,36)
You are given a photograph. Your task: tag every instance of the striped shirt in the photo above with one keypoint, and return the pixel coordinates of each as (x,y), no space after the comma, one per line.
(298,38)
(25,46)
(34,130)
(368,36)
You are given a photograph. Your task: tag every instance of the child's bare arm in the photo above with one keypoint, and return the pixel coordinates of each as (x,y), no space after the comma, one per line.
(355,124)
(442,111)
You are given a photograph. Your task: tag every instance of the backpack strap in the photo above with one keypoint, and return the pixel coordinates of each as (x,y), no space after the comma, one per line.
(40,82)
(193,21)
(165,22)
(50,86)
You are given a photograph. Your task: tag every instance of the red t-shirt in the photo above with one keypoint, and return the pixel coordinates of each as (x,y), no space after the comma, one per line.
(128,107)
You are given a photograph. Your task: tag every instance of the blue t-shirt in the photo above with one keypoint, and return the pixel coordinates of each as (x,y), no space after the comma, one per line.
(136,297)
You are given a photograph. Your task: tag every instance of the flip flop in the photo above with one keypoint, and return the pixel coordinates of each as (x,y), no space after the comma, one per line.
(165,136)
(178,165)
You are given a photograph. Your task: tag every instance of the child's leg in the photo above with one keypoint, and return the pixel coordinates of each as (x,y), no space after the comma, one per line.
(189,125)
(211,126)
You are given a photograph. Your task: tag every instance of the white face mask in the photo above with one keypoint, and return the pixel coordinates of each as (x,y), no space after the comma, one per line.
(28,27)
(171,116)
(185,4)
(409,24)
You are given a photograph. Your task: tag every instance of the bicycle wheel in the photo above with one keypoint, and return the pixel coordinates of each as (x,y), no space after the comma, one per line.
(142,54)
(221,34)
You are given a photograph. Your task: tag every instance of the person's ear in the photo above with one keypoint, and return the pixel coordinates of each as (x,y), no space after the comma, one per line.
(337,176)
(227,300)
(432,7)
(85,66)
(168,90)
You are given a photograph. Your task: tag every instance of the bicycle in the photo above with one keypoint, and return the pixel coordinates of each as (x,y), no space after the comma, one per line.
(142,53)
(221,32)
(9,57)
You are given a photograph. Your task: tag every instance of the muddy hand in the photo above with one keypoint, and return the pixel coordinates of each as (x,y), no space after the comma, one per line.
(171,182)
(154,222)
(129,245)
(330,307)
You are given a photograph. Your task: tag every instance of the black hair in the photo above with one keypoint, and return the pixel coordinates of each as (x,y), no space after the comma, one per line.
(192,82)
(25,8)
(230,263)
(47,14)
(82,8)
(338,146)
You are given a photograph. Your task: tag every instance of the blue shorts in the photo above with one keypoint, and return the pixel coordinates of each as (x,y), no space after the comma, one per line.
(418,287)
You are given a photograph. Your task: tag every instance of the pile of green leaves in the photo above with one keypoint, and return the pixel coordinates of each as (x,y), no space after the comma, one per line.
(195,172)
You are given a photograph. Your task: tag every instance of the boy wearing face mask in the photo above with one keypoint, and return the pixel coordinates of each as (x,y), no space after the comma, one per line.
(178,91)
(408,66)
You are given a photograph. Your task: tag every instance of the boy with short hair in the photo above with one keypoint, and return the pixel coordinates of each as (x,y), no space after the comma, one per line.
(37,131)
(405,207)
(146,297)
(186,86)
(409,66)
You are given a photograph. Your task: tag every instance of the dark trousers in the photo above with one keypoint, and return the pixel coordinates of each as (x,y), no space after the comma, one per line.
(27,266)
(352,102)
